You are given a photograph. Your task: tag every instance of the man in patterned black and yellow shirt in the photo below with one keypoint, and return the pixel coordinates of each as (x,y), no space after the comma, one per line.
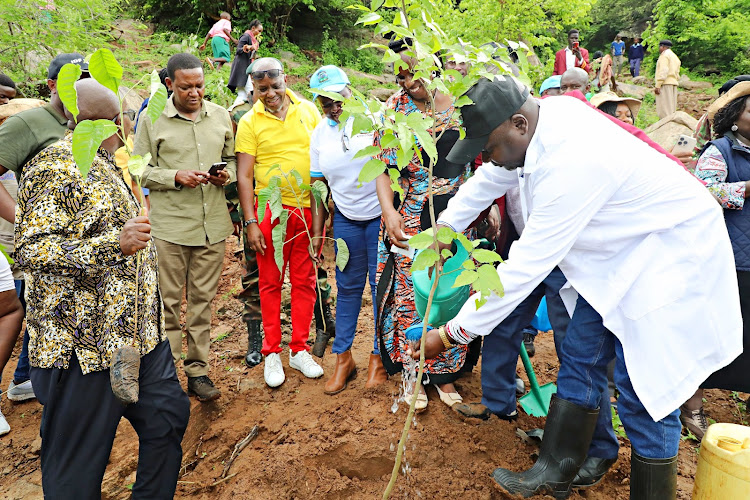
(77,239)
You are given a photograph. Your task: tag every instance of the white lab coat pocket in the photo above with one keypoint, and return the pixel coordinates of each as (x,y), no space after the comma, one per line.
(647,280)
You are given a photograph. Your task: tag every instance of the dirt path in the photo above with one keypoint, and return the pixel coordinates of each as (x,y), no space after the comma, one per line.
(326,447)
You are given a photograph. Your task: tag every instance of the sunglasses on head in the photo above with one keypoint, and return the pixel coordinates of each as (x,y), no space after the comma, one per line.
(272,73)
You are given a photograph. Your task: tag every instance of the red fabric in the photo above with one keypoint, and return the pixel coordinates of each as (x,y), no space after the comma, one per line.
(561,64)
(301,275)
(633,130)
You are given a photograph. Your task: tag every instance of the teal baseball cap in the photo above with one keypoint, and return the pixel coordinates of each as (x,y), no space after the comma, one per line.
(329,78)
(553,82)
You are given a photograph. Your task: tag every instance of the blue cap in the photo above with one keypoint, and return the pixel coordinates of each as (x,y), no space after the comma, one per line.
(553,82)
(329,78)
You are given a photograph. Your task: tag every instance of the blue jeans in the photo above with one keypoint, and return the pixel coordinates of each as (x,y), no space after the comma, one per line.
(587,349)
(502,345)
(22,368)
(362,239)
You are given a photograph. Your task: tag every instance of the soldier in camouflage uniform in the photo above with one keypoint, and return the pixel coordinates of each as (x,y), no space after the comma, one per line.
(250,294)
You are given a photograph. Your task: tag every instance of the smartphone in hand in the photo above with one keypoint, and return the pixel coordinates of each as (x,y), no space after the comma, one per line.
(216,168)
(575,45)
(685,144)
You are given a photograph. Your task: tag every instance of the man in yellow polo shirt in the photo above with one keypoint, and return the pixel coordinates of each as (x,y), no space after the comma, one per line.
(277,132)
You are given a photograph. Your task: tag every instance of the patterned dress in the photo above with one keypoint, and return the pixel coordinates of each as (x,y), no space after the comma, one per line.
(396,309)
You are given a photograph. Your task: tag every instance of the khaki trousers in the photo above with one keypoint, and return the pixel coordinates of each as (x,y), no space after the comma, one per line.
(197,271)
(666,101)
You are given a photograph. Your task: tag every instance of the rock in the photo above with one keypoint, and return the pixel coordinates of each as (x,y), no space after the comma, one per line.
(130,99)
(666,131)
(683,78)
(36,446)
(146,65)
(636,91)
(285,55)
(18,105)
(643,80)
(382,94)
(690,85)
(382,79)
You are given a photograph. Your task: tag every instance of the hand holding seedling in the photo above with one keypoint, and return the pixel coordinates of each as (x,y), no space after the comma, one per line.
(135,235)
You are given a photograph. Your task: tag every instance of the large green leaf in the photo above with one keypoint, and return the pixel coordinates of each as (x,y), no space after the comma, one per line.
(105,69)
(263,196)
(489,279)
(486,256)
(371,170)
(137,163)
(466,277)
(158,98)
(278,234)
(366,151)
(424,259)
(66,87)
(446,235)
(297,177)
(422,240)
(369,18)
(87,137)
(342,254)
(319,191)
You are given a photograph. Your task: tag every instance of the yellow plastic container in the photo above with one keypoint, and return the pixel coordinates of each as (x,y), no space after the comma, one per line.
(724,464)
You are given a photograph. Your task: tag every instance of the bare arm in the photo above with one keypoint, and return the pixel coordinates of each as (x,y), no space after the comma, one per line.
(246,193)
(11,317)
(7,204)
(394,223)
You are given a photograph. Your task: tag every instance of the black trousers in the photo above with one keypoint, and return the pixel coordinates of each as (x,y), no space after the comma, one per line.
(80,419)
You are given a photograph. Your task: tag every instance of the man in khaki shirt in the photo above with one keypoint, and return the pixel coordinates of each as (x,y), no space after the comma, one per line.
(666,79)
(189,216)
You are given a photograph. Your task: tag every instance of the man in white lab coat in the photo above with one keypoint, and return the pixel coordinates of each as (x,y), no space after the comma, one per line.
(645,246)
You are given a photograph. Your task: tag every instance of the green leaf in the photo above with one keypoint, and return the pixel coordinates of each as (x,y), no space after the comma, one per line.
(7,256)
(469,264)
(482,300)
(297,176)
(137,163)
(422,240)
(342,254)
(424,259)
(464,100)
(158,98)
(489,279)
(388,140)
(465,278)
(403,157)
(263,196)
(486,256)
(361,123)
(376,4)
(105,69)
(371,170)
(274,202)
(446,235)
(369,19)
(278,234)
(87,137)
(367,151)
(66,87)
(425,140)
(320,191)
(461,237)
(446,254)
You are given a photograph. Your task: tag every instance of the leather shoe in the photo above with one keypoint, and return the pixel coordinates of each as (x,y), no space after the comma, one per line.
(592,471)
(376,373)
(345,371)
(203,388)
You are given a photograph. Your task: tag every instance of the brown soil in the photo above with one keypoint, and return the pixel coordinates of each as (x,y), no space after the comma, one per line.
(312,445)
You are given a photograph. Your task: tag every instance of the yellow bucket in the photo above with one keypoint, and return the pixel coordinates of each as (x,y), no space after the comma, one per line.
(723,464)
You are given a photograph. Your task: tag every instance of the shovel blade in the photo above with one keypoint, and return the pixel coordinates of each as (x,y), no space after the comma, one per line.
(536,402)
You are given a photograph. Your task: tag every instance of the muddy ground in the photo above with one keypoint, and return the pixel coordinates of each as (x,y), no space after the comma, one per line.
(311,445)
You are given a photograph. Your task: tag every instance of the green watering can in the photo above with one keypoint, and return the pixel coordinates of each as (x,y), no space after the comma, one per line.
(447,300)
(536,402)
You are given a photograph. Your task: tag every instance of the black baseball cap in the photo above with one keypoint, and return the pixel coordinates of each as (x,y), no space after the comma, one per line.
(63,59)
(495,101)
(666,43)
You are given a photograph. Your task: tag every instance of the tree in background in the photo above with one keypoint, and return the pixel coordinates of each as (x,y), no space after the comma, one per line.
(609,17)
(708,35)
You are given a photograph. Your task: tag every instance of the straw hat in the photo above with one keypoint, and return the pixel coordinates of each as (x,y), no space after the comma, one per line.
(602,97)
(739,90)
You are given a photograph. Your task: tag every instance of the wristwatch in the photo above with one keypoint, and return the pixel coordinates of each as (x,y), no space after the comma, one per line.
(248,222)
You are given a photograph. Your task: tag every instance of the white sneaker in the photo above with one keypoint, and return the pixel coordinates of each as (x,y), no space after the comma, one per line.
(20,392)
(303,362)
(273,372)
(4,427)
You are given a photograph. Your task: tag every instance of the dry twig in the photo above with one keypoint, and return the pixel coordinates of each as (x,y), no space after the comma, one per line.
(237,449)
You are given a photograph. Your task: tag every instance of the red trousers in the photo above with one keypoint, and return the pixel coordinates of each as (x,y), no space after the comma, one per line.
(301,275)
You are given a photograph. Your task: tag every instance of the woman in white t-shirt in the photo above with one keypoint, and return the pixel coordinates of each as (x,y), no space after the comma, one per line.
(356,219)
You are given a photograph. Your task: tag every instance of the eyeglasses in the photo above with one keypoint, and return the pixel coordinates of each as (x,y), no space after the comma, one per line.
(272,73)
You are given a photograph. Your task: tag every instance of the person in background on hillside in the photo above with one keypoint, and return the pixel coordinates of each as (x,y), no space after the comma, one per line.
(22,137)
(7,89)
(602,67)
(76,240)
(247,46)
(356,219)
(666,78)
(725,166)
(576,79)
(618,51)
(550,86)
(276,132)
(220,34)
(572,56)
(188,209)
(636,53)
(11,319)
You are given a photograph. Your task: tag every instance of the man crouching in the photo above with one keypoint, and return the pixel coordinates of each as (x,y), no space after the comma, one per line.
(77,240)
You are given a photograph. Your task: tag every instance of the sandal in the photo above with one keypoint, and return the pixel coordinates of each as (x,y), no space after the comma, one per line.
(449,398)
(421,404)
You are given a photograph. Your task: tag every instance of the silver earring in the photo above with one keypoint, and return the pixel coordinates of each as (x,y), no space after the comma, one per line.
(734,128)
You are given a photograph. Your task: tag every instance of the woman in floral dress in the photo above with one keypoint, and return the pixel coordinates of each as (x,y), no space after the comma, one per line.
(410,214)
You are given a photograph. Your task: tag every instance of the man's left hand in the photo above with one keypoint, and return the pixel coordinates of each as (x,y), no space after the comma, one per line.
(220,179)
(433,346)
